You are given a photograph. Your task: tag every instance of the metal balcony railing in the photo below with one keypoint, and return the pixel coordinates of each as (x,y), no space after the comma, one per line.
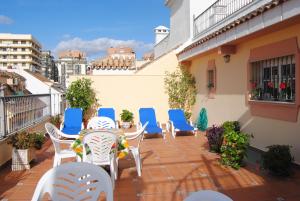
(19,112)
(218,12)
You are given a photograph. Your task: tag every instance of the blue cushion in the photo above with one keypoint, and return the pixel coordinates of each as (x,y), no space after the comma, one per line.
(178,118)
(183,126)
(73,117)
(147,114)
(176,115)
(153,129)
(71,131)
(107,112)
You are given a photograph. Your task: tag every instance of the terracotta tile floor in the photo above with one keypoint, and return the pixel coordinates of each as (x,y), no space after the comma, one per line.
(172,169)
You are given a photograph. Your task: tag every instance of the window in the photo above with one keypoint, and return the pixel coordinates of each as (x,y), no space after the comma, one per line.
(15,49)
(23,49)
(23,64)
(4,56)
(23,42)
(23,56)
(274,79)
(211,78)
(211,82)
(15,42)
(15,57)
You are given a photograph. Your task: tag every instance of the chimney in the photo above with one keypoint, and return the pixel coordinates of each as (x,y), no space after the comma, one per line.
(160,33)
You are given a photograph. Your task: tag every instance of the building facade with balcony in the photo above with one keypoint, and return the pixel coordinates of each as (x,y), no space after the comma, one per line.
(71,62)
(49,68)
(20,50)
(245,57)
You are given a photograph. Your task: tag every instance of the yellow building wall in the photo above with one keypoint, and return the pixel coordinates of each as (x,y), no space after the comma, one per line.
(230,98)
(143,89)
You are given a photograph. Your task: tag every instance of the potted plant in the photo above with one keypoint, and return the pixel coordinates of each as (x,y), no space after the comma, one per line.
(215,138)
(56,120)
(80,94)
(126,117)
(24,145)
(278,160)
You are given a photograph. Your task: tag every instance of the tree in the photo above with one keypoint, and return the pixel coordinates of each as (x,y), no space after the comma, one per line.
(181,88)
(80,94)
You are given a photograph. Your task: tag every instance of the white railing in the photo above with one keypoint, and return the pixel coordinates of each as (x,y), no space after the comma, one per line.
(218,12)
(20,112)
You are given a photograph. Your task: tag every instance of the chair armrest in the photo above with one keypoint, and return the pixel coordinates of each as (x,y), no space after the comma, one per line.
(61,125)
(82,126)
(66,141)
(139,125)
(69,136)
(159,124)
(117,124)
(191,123)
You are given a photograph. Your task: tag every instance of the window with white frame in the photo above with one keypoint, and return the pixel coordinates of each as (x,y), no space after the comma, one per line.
(273,79)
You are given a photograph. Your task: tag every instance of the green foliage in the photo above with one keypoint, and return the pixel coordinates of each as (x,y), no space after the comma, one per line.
(80,94)
(126,116)
(278,160)
(234,148)
(235,144)
(215,138)
(202,120)
(25,140)
(56,120)
(231,126)
(181,88)
(39,140)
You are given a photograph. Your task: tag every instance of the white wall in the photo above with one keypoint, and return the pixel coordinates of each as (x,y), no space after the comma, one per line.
(36,86)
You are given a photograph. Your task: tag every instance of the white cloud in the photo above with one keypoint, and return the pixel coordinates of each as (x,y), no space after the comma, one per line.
(5,20)
(100,45)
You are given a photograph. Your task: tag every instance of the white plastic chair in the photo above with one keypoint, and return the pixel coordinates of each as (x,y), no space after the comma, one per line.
(74,181)
(139,134)
(100,143)
(101,123)
(207,195)
(56,136)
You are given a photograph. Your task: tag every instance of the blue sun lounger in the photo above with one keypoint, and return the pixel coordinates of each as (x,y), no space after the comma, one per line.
(153,127)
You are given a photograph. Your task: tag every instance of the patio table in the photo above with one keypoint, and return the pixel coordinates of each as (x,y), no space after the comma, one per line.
(121,146)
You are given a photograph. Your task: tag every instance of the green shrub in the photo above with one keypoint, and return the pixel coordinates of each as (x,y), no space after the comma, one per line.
(25,140)
(56,120)
(80,94)
(181,89)
(231,126)
(234,148)
(39,140)
(126,116)
(278,160)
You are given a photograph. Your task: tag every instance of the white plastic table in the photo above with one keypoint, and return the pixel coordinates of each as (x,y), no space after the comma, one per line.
(207,195)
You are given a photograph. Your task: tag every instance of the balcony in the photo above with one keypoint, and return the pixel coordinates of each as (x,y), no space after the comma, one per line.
(223,12)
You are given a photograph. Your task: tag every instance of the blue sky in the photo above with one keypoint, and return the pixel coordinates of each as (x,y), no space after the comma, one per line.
(89,25)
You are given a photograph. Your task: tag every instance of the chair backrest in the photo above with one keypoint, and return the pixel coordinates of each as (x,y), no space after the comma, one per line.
(147,115)
(176,115)
(207,195)
(138,134)
(73,117)
(100,143)
(107,112)
(54,134)
(101,123)
(74,181)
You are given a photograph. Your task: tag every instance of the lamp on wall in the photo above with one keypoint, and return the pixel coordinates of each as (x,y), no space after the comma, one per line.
(226,58)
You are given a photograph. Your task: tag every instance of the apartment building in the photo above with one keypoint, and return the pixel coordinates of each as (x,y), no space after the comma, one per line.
(20,50)
(49,68)
(71,62)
